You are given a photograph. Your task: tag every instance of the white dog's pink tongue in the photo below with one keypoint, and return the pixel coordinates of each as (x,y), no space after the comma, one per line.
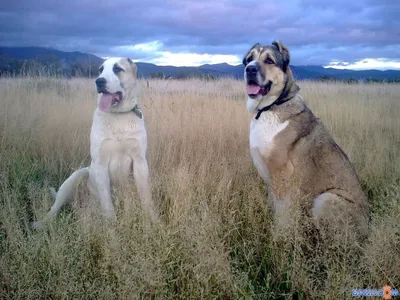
(253,89)
(105,102)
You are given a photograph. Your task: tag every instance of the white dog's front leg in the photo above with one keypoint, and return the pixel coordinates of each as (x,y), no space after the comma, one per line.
(141,176)
(102,184)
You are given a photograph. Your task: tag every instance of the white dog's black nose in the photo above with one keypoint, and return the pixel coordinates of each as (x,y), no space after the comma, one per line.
(252,69)
(100,82)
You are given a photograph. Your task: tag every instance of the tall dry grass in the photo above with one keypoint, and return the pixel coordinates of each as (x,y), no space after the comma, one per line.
(214,240)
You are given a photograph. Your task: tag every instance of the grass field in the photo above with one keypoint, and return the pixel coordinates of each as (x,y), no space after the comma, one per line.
(214,241)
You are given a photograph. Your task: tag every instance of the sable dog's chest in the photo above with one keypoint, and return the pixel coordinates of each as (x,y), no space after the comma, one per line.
(269,152)
(263,132)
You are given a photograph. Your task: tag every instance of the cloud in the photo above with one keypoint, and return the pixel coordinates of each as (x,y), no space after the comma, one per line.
(367,64)
(194,59)
(316,32)
(152,52)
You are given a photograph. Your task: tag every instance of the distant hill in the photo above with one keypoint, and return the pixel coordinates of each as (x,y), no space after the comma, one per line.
(27,53)
(344,74)
(14,59)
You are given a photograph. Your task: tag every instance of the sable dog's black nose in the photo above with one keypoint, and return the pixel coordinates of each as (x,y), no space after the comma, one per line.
(252,69)
(100,82)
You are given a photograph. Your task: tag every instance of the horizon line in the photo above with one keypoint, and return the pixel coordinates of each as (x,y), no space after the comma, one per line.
(340,67)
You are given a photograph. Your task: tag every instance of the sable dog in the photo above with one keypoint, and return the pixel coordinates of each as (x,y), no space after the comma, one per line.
(292,150)
(118,141)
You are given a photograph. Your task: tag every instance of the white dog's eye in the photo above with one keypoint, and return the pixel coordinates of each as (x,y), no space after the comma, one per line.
(101,69)
(117,69)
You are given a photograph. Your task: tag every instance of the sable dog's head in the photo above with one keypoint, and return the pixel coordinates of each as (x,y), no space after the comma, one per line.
(266,73)
(117,85)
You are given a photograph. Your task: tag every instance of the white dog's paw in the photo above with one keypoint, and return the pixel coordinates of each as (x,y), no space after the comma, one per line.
(154,216)
(53,192)
(110,215)
(38,225)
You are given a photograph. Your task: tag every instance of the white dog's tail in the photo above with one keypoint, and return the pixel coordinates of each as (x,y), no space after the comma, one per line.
(63,193)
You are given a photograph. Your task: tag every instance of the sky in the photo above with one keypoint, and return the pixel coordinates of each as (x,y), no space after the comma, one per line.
(356,34)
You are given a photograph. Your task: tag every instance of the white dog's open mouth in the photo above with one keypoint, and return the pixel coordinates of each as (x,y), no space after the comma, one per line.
(253,89)
(107,100)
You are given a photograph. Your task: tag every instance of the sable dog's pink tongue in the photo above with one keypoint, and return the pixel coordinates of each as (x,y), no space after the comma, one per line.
(253,89)
(105,102)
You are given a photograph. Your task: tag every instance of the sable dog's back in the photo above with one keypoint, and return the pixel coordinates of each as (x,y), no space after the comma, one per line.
(319,172)
(323,166)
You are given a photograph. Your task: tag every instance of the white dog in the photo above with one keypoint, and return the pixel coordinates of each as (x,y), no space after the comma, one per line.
(118,141)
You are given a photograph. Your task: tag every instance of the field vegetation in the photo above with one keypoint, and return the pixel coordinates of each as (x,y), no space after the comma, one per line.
(214,241)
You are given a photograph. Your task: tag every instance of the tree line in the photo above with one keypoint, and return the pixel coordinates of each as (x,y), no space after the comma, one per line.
(329,78)
(52,65)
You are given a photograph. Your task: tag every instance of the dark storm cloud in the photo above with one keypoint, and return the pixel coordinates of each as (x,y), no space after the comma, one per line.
(316,32)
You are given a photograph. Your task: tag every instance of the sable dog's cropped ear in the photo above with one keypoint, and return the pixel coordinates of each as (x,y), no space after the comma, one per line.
(255,46)
(245,57)
(283,50)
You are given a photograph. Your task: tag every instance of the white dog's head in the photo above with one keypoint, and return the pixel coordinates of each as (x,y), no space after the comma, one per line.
(117,85)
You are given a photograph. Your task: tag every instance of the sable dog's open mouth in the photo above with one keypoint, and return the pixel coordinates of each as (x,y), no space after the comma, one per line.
(107,100)
(253,89)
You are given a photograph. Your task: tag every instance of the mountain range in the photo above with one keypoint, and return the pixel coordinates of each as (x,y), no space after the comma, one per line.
(14,58)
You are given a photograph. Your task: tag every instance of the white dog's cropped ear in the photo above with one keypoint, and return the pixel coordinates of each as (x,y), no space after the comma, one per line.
(133,65)
(283,50)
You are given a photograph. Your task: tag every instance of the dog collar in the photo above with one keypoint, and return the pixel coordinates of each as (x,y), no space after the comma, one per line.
(265,108)
(268,107)
(137,111)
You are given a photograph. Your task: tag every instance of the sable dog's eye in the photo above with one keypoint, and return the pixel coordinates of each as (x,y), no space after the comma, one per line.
(269,61)
(249,59)
(117,69)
